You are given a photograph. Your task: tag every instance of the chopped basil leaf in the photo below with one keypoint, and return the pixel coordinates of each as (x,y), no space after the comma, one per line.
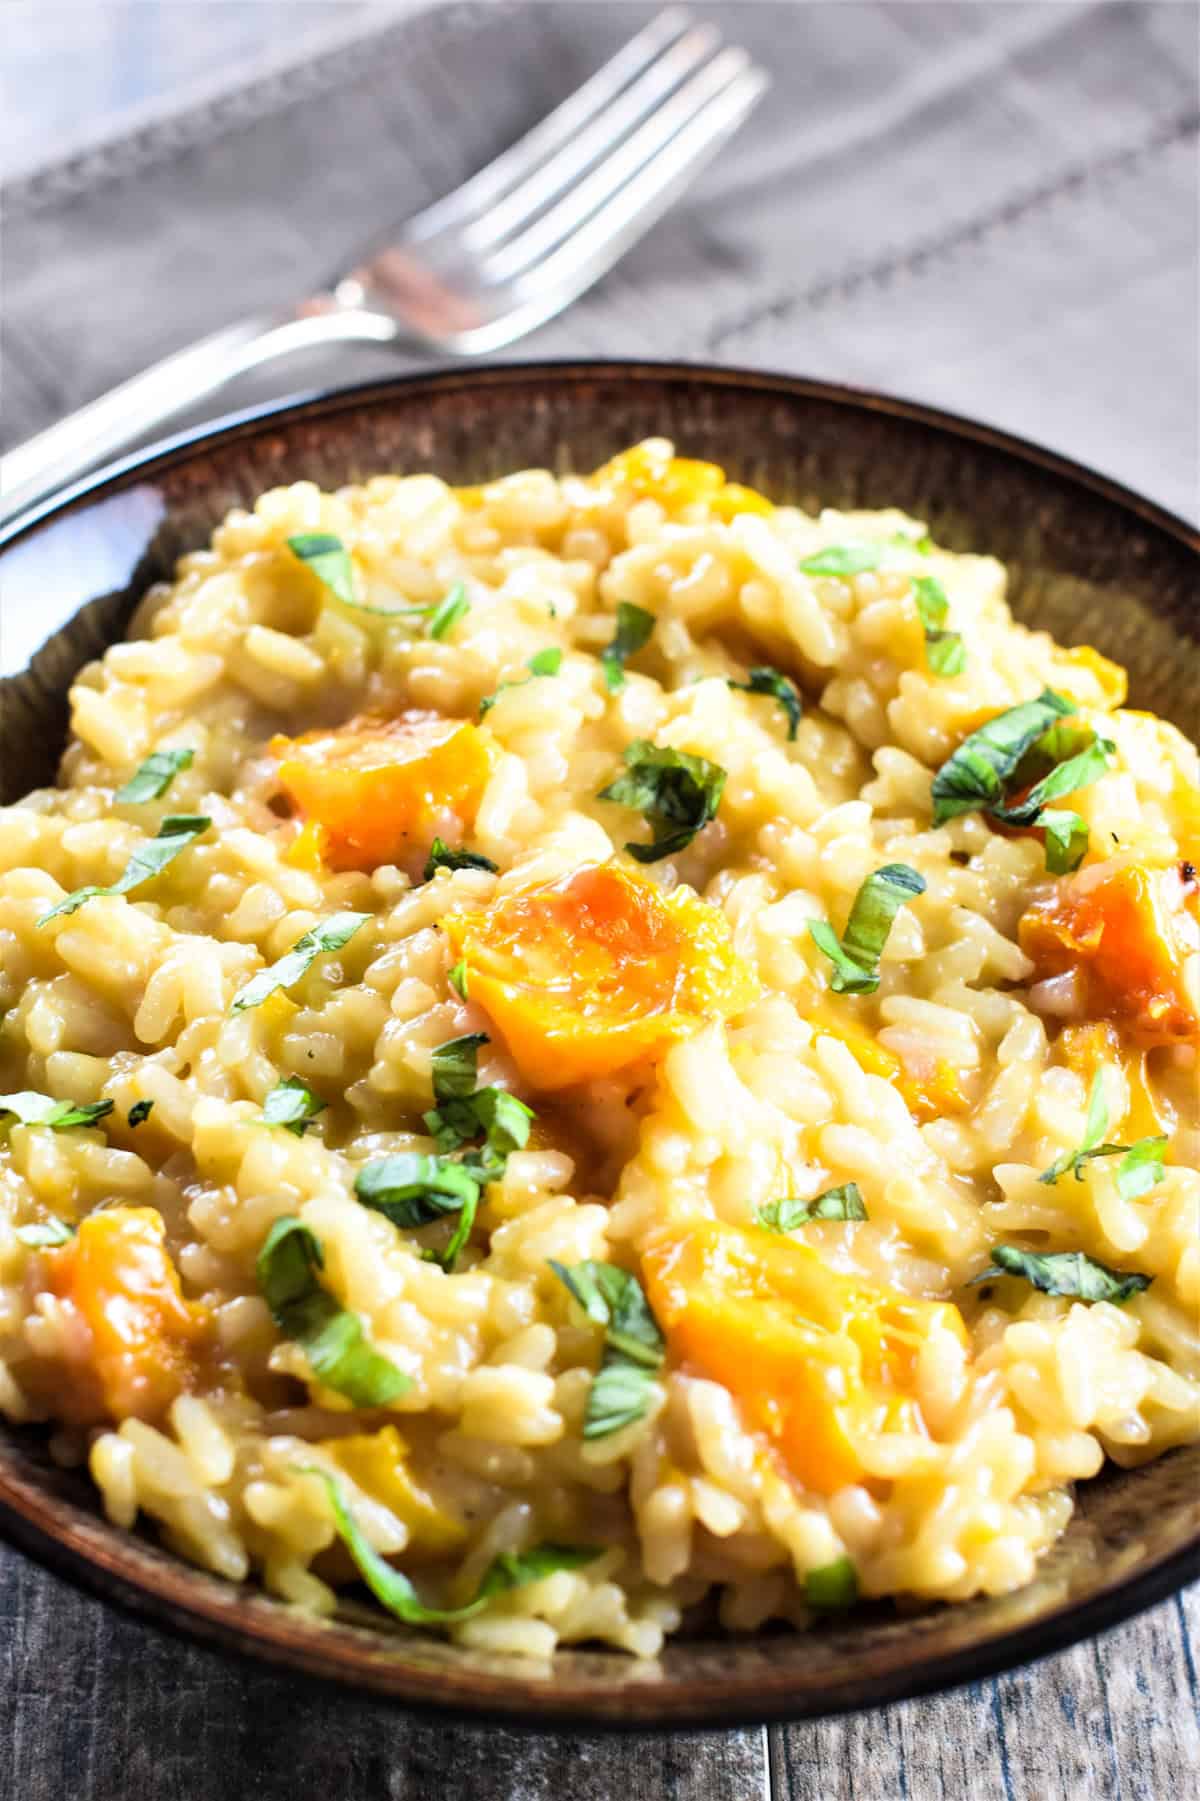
(1141,1166)
(1066,840)
(845,1202)
(332,1338)
(634,626)
(974,777)
(1070,1273)
(42,1110)
(833,1587)
(153,777)
(412,1188)
(455,1064)
(46,1234)
(633,1344)
(511,1569)
(543,662)
(856,957)
(843,559)
(149,859)
(140,1111)
(463,1113)
(286,971)
(442,857)
(448,612)
(292,1105)
(458,978)
(329,560)
(677,793)
(1066,833)
(945,652)
(765,680)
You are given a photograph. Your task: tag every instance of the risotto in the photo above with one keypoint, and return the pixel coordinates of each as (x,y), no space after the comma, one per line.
(586,1046)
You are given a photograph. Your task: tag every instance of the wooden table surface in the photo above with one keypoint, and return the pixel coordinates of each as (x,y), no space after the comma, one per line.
(97,1706)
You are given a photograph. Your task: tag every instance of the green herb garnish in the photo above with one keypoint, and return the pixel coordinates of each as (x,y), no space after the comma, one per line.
(543,662)
(633,1345)
(1069,1273)
(512,1569)
(327,557)
(843,559)
(149,859)
(442,857)
(765,680)
(141,1110)
(634,626)
(833,1587)
(975,777)
(292,1105)
(413,1188)
(332,1338)
(42,1110)
(1141,1166)
(677,794)
(945,652)
(45,1234)
(457,977)
(287,970)
(446,615)
(153,777)
(845,1202)
(855,957)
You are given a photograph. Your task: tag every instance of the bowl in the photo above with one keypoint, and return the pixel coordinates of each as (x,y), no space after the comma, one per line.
(1087,560)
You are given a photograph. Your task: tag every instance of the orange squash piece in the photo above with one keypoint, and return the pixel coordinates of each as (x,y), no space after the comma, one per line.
(376,789)
(1130,929)
(118,1275)
(677,482)
(814,1358)
(598,971)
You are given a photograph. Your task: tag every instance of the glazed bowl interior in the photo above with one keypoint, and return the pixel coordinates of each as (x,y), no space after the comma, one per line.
(1088,562)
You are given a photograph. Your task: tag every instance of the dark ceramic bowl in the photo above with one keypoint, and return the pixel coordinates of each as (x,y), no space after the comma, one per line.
(1088,560)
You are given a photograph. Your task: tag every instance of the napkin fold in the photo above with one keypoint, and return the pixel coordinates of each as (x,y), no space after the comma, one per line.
(993,207)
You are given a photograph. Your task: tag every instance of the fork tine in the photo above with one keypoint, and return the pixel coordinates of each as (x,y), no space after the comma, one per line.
(557,128)
(588,196)
(608,234)
(612,123)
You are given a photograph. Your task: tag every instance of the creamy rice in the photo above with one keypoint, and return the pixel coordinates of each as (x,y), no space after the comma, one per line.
(944,1094)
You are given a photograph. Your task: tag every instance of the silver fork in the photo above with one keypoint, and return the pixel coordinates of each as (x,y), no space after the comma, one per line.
(505,251)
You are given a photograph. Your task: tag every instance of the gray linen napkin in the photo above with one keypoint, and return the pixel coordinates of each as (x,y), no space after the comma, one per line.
(992,207)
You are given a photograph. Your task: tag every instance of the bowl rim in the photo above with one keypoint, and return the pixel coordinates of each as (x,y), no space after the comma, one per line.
(169,1593)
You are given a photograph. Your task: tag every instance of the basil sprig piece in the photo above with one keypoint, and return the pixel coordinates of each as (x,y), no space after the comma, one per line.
(677,794)
(413,1188)
(843,559)
(855,957)
(633,1345)
(1141,1166)
(46,1234)
(332,1338)
(1070,1273)
(43,1110)
(442,857)
(292,1105)
(845,1202)
(975,777)
(634,626)
(1006,753)
(765,680)
(459,979)
(511,1569)
(446,615)
(141,1110)
(543,662)
(329,560)
(286,971)
(154,776)
(945,652)
(832,1587)
(175,833)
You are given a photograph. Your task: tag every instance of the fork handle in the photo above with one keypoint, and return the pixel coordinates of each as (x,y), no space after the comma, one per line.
(68,449)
